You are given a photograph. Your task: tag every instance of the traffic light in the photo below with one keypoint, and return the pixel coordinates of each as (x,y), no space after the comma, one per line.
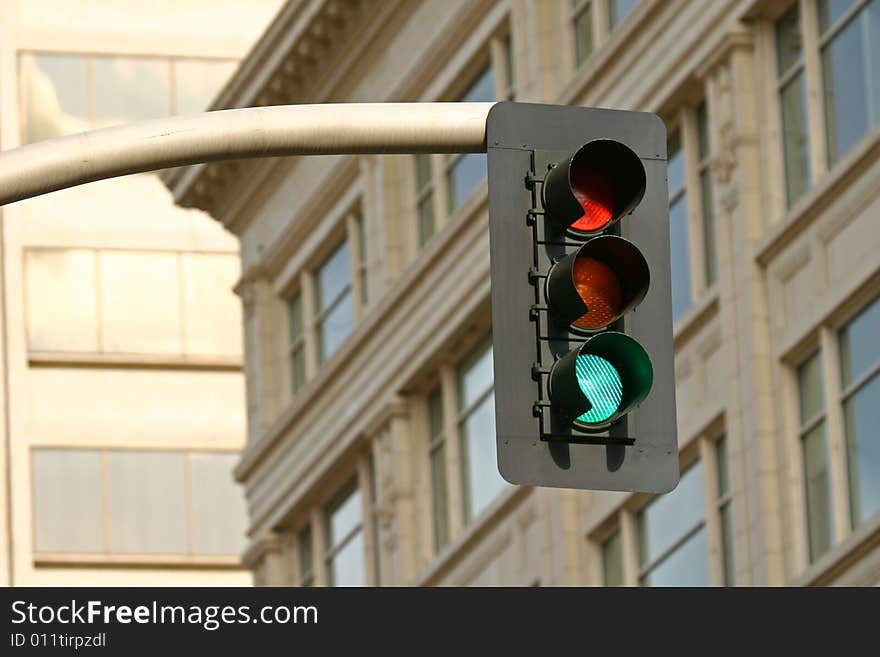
(581,298)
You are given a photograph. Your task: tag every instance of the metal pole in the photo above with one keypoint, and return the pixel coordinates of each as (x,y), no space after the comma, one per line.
(341,128)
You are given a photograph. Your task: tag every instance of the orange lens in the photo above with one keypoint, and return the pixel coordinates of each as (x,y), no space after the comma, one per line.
(599,287)
(595,192)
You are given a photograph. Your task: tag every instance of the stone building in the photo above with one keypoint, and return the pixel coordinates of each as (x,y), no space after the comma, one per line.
(122,393)
(365,289)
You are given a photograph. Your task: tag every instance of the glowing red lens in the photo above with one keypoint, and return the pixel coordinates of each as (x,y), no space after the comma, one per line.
(595,192)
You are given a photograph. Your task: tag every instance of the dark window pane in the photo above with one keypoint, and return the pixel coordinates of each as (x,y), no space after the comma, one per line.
(344,515)
(859,344)
(795,138)
(612,561)
(482,481)
(666,519)
(810,394)
(439,497)
(830,11)
(711,262)
(423,171)
(435,413)
(294,318)
(861,414)
(333,276)
(702,132)
(727,544)
(680,257)
(583,33)
(675,167)
(789,46)
(54,95)
(362,255)
(482,90)
(426,219)
(817,492)
(336,326)
(850,71)
(304,550)
(723,468)
(510,70)
(618,9)
(463,178)
(687,566)
(347,568)
(130,89)
(475,375)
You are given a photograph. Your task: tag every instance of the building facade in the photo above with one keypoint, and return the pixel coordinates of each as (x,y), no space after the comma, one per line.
(365,290)
(123,396)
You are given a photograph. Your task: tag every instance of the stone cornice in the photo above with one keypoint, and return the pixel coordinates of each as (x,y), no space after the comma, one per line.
(286,66)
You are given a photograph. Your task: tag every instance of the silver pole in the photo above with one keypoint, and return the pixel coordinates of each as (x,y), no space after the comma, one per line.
(352,128)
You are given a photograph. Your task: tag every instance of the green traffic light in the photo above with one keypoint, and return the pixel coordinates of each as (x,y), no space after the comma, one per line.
(600,382)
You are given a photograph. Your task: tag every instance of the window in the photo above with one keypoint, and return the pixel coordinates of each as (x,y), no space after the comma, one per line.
(815,456)
(846,59)
(136,502)
(849,47)
(793,103)
(582,22)
(334,307)
(860,387)
(612,560)
(464,172)
(691,208)
(673,548)
(329,299)
(723,504)
(305,560)
(437,456)
(424,199)
(680,260)
(297,350)
(345,539)
(618,9)
(481,482)
(63,93)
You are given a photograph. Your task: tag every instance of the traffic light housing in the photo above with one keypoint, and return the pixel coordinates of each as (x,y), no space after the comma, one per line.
(581,298)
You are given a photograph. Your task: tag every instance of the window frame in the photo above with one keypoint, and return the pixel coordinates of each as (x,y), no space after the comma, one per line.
(625,519)
(819,157)
(351,229)
(824,341)
(685,122)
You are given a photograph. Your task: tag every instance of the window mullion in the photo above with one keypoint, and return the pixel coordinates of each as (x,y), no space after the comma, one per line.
(834,432)
(813,74)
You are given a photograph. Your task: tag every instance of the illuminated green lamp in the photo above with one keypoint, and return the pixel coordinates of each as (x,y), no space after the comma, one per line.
(601,381)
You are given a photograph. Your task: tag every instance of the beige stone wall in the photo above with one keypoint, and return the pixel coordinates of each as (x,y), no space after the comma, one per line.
(786,280)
